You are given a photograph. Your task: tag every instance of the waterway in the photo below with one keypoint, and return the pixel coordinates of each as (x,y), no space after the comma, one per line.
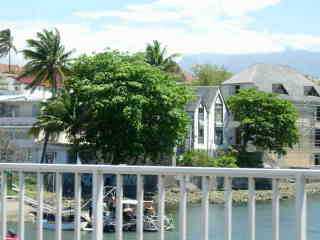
(216,221)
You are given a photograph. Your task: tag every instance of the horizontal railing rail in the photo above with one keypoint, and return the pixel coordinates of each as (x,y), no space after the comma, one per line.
(161,170)
(298,176)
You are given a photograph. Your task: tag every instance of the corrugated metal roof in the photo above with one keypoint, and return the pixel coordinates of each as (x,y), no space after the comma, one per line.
(263,76)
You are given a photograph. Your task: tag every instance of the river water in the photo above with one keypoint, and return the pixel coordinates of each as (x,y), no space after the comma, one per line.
(216,221)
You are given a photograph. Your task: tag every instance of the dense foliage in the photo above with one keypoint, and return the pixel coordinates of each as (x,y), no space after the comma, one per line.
(200,158)
(265,120)
(125,110)
(207,74)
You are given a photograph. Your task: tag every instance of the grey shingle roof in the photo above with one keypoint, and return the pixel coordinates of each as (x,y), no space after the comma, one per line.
(264,75)
(204,95)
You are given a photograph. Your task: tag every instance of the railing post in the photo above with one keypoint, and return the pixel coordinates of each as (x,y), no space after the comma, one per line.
(21,204)
(59,206)
(205,208)
(275,209)
(98,186)
(119,207)
(252,209)
(40,206)
(3,205)
(161,205)
(183,209)
(140,198)
(301,208)
(228,208)
(77,192)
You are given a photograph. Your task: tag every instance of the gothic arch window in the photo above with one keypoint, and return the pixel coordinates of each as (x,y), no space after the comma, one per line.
(218,111)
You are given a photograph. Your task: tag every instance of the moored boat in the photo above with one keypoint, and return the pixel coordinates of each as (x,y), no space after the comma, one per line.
(68,223)
(11,236)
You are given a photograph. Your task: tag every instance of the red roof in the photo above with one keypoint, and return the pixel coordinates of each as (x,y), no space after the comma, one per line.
(4,68)
(28,80)
(188,77)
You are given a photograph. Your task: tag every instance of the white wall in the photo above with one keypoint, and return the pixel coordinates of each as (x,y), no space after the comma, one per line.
(209,128)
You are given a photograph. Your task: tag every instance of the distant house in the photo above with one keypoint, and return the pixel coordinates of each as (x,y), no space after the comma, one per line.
(209,116)
(19,109)
(4,68)
(291,85)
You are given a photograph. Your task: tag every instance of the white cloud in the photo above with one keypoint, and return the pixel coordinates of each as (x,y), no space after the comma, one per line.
(179,10)
(185,26)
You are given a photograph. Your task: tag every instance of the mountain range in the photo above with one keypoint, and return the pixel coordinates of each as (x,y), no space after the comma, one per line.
(306,62)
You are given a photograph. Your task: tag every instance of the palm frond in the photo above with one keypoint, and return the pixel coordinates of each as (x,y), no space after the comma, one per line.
(48,59)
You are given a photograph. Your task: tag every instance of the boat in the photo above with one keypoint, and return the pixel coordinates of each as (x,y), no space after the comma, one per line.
(11,236)
(151,222)
(68,223)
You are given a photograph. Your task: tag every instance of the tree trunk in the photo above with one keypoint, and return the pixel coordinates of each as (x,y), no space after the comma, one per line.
(44,149)
(9,60)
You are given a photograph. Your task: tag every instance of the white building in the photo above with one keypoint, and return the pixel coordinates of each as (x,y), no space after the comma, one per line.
(209,117)
(294,86)
(18,111)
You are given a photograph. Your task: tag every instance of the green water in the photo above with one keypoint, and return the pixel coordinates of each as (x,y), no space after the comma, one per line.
(240,223)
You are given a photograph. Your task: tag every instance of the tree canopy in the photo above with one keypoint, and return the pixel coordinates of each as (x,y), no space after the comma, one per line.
(127,110)
(207,74)
(265,120)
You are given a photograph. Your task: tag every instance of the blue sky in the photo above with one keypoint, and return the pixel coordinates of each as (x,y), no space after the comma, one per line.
(185,26)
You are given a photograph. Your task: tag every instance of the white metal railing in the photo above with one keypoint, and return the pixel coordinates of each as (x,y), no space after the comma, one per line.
(183,173)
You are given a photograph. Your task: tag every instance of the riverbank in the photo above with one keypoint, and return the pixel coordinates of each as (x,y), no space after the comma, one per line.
(12,207)
(287,191)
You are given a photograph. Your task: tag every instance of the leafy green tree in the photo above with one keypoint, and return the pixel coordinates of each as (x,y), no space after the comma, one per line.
(48,63)
(6,45)
(265,120)
(207,74)
(200,158)
(133,111)
(156,55)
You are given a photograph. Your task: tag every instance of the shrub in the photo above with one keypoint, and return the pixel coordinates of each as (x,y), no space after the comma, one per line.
(200,158)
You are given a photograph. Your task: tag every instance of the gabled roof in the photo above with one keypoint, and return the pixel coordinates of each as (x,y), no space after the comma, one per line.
(204,95)
(263,76)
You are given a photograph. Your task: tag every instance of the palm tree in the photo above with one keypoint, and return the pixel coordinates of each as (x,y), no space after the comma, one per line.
(48,64)
(48,60)
(6,45)
(61,114)
(156,55)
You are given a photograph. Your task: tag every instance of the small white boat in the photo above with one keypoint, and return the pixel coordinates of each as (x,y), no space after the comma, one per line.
(66,226)
(68,223)
(152,223)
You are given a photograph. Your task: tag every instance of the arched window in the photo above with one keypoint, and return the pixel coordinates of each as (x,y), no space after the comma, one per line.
(218,111)
(201,124)
(218,116)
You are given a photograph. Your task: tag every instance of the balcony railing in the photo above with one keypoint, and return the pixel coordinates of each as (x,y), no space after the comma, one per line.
(17,121)
(182,173)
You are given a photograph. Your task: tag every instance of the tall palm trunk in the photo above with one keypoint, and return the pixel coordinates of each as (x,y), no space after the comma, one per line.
(9,55)
(47,134)
(44,148)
